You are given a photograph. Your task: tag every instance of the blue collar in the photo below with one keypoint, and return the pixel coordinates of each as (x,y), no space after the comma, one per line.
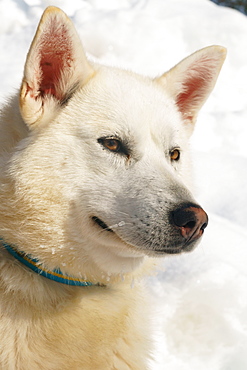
(35,265)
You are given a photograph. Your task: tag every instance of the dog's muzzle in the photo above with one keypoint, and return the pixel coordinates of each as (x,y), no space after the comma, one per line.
(180,233)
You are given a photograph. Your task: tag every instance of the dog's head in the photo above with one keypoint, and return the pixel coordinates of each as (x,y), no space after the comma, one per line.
(105,163)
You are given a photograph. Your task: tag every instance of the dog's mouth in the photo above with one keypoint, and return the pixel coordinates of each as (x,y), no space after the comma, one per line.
(187,246)
(102,224)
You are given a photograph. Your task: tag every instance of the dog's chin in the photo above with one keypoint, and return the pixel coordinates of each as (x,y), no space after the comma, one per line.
(184,248)
(171,250)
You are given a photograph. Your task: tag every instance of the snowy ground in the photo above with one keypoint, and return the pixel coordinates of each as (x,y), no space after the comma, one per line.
(201,297)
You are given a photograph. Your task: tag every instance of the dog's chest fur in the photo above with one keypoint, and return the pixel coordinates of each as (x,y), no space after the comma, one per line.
(81,328)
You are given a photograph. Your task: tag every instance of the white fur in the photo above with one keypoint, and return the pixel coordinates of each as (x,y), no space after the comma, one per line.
(56,175)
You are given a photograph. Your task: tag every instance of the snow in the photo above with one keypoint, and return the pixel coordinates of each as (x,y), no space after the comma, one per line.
(201,297)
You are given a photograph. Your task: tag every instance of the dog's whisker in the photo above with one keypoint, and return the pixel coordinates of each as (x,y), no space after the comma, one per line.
(115,226)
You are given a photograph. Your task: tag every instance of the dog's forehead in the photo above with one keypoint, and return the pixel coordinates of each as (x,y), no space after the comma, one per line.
(128,100)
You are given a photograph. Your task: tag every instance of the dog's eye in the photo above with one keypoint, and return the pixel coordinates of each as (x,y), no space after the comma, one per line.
(175,154)
(114,145)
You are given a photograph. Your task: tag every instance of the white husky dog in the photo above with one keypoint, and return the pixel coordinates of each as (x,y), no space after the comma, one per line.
(93,185)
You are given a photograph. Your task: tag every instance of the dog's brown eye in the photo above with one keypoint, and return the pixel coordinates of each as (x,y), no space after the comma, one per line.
(113,145)
(175,154)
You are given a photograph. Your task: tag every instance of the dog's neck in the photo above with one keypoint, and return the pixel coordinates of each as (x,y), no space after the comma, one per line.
(36,266)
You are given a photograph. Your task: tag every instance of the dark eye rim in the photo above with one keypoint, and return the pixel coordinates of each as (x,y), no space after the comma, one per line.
(121,148)
(172,151)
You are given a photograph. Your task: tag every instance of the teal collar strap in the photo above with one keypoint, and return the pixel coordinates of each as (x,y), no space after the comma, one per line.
(34,265)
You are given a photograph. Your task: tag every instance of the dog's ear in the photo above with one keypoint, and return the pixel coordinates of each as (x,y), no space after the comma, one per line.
(56,66)
(191,81)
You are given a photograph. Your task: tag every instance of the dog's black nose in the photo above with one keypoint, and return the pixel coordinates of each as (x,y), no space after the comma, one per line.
(191,219)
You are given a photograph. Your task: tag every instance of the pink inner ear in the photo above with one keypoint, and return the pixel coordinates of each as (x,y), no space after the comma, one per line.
(55,60)
(49,70)
(194,90)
